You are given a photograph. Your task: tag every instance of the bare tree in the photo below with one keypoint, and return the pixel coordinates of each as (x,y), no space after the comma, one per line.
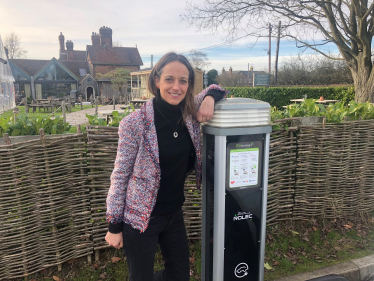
(229,80)
(119,78)
(13,43)
(313,69)
(198,59)
(312,24)
(117,44)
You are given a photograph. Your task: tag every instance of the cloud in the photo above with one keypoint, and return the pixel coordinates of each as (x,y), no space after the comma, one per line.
(154,26)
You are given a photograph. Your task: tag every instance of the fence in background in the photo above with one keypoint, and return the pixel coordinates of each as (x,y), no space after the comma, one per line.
(53,190)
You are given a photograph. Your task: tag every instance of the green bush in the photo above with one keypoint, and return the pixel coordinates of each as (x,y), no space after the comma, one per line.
(115,120)
(26,125)
(334,113)
(281,96)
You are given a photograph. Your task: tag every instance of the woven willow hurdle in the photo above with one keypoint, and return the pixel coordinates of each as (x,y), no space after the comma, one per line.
(53,193)
(101,154)
(335,175)
(44,206)
(281,181)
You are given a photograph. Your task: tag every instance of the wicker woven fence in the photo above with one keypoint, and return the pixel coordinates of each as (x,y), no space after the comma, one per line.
(53,190)
(281,181)
(335,174)
(44,206)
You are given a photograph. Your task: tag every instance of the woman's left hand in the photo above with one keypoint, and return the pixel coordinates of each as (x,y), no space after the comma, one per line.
(206,109)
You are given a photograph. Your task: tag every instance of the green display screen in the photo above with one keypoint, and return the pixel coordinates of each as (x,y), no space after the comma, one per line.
(244,164)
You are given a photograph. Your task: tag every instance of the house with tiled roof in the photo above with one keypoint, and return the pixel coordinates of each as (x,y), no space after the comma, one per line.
(74,69)
(242,78)
(41,79)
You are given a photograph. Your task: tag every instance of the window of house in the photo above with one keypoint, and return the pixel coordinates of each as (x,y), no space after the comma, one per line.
(18,76)
(55,90)
(54,72)
(20,89)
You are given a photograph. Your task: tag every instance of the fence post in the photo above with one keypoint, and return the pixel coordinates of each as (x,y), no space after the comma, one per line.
(69,101)
(81,100)
(96,106)
(26,106)
(114,102)
(7,139)
(63,111)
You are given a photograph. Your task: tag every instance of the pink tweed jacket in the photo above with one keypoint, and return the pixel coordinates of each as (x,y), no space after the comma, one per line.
(136,175)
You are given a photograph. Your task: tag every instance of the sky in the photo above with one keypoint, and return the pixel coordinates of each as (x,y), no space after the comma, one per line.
(155,27)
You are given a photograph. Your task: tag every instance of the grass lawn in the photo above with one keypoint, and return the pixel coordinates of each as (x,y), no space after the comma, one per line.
(42,113)
(290,249)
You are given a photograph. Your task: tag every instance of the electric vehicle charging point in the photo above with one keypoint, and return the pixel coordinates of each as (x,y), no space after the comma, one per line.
(235,177)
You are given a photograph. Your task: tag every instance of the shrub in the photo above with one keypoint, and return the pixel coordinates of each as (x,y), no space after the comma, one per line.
(116,118)
(334,113)
(281,96)
(26,125)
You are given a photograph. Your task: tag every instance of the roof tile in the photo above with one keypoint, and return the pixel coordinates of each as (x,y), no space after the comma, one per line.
(115,55)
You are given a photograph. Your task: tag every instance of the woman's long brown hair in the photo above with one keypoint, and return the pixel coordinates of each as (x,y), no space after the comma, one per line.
(189,105)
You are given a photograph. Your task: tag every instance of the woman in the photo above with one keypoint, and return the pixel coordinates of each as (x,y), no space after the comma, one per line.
(157,146)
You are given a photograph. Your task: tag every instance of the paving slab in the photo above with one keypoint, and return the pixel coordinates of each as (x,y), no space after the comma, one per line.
(366,267)
(79,117)
(346,269)
(361,269)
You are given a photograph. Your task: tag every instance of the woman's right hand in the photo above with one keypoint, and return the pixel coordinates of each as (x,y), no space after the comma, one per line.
(114,240)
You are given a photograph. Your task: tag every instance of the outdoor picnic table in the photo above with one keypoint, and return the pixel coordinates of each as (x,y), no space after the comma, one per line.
(48,104)
(138,102)
(109,114)
(317,101)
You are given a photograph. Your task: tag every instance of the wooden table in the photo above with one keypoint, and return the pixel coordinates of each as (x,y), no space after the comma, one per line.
(41,103)
(109,114)
(317,101)
(138,102)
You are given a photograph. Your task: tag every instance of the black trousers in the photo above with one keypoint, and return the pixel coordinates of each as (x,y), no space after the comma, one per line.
(140,248)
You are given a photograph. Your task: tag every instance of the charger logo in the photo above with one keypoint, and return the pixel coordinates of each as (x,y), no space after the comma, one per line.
(244,145)
(241,270)
(242,216)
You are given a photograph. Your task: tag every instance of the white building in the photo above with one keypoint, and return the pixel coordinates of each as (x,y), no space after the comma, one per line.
(7,97)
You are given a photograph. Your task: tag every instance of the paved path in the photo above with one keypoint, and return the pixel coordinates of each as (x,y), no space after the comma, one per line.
(79,117)
(361,269)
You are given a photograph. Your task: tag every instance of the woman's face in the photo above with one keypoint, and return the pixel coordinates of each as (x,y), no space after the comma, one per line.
(173,83)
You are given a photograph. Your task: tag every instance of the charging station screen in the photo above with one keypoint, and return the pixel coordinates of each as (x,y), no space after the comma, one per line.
(244,165)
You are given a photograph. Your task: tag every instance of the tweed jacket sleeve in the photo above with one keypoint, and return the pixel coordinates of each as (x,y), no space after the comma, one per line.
(123,167)
(200,97)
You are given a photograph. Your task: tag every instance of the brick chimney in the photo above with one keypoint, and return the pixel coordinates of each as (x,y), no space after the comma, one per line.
(70,49)
(105,36)
(223,70)
(61,39)
(230,70)
(95,38)
(251,68)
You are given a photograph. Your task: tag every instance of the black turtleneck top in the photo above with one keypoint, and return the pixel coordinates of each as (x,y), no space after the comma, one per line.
(176,155)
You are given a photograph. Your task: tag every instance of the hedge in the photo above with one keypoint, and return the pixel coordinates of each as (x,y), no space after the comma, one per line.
(281,96)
